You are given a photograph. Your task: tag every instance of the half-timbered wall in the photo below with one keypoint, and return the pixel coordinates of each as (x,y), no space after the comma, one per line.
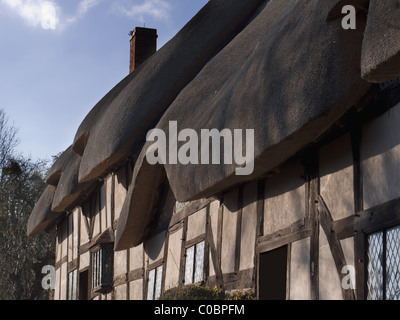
(320,207)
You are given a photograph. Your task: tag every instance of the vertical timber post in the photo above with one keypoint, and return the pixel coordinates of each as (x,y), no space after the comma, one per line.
(312,169)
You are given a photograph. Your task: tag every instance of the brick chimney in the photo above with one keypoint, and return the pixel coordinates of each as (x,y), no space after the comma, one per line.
(143,45)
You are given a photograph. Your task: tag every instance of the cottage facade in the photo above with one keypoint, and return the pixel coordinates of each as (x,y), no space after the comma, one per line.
(317,219)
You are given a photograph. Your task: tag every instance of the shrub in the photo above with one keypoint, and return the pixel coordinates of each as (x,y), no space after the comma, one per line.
(192,292)
(241,295)
(195,292)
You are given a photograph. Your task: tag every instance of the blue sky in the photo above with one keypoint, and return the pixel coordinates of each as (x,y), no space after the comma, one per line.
(58,58)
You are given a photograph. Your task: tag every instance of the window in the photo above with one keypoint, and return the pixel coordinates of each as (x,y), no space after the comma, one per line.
(84,285)
(96,267)
(72,287)
(154,283)
(273,274)
(383,281)
(102,267)
(194,263)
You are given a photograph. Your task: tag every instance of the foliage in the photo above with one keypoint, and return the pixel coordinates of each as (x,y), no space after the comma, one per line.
(195,292)
(192,292)
(21,257)
(241,295)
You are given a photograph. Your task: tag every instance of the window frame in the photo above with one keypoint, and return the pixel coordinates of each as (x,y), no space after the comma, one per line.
(159,268)
(72,293)
(366,222)
(194,266)
(105,280)
(383,259)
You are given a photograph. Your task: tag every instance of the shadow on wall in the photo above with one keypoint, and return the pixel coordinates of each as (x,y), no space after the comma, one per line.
(153,246)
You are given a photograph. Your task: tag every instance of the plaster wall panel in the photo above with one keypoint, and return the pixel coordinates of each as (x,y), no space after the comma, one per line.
(109,185)
(76,218)
(214,209)
(120,263)
(83,229)
(348,250)
(173,259)
(58,246)
(300,278)
(329,281)
(120,292)
(229,222)
(154,247)
(380,154)
(136,290)
(121,187)
(70,229)
(336,177)
(64,238)
(136,257)
(248,226)
(63,286)
(57,285)
(284,198)
(96,215)
(84,260)
(102,211)
(196,224)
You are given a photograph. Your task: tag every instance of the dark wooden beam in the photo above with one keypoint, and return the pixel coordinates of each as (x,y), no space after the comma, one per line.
(238,229)
(334,244)
(281,238)
(183,253)
(259,229)
(312,174)
(359,237)
(215,257)
(379,217)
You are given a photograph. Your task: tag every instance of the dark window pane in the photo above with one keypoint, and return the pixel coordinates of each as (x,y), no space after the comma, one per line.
(272,274)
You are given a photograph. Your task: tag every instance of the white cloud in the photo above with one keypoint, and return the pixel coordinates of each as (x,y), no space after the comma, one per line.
(155,8)
(83,7)
(46,13)
(36,13)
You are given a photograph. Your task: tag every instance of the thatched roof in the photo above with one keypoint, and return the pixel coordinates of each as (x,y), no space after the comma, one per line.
(42,217)
(64,176)
(289,75)
(285,69)
(381,46)
(116,127)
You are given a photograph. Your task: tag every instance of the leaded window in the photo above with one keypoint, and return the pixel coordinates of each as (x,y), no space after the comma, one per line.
(102,267)
(72,285)
(383,282)
(194,266)
(154,283)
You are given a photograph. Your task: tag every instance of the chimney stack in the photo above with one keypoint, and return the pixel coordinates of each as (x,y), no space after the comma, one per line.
(143,45)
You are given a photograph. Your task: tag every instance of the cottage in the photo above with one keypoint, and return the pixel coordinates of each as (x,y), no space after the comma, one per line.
(317,218)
